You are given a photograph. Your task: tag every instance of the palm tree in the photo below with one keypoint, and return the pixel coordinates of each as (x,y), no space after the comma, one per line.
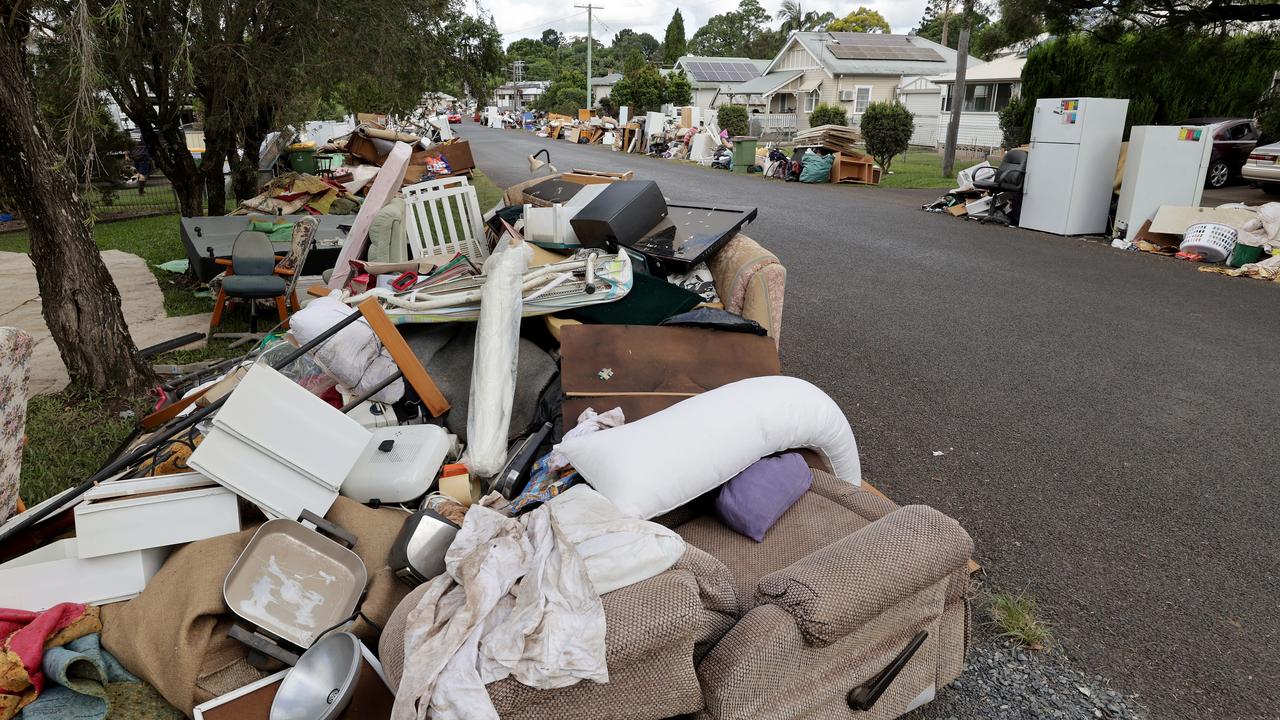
(795,19)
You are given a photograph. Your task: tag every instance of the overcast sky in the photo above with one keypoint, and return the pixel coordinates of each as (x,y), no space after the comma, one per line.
(521,18)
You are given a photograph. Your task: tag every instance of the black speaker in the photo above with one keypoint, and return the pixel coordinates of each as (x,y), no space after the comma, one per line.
(622,214)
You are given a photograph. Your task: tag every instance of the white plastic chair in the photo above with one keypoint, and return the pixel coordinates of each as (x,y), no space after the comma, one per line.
(443,217)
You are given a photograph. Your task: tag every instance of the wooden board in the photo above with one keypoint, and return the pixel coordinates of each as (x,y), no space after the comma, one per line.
(1174,219)
(385,185)
(414,373)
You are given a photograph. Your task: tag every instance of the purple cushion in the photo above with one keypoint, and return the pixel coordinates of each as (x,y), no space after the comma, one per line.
(755,498)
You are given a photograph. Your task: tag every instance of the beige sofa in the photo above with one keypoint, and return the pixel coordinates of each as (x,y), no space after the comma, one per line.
(783,629)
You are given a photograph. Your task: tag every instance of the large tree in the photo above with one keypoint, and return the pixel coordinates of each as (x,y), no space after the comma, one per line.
(1062,16)
(862,20)
(641,87)
(79,300)
(743,32)
(673,42)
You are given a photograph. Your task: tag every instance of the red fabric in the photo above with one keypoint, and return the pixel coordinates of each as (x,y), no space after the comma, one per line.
(24,634)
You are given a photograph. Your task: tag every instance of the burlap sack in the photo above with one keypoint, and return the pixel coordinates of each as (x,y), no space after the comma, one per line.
(174,635)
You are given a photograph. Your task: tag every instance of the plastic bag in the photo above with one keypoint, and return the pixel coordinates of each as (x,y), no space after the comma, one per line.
(493,374)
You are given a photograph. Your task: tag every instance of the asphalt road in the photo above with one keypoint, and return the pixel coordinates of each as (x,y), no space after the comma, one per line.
(1108,421)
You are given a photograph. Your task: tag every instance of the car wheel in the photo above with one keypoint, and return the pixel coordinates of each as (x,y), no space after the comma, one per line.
(1218,174)
(1271,188)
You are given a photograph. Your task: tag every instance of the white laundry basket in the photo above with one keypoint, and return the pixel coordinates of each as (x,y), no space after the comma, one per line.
(1213,240)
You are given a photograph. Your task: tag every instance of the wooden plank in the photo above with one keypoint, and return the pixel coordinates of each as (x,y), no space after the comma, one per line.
(170,411)
(409,364)
(383,190)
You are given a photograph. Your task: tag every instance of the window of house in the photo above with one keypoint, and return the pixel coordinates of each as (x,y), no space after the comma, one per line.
(812,99)
(980,97)
(861,98)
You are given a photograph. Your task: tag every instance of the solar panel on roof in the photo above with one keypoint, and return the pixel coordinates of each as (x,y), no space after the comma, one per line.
(715,71)
(884,52)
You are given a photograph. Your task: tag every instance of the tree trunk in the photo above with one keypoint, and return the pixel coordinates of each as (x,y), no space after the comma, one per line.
(244,172)
(80,302)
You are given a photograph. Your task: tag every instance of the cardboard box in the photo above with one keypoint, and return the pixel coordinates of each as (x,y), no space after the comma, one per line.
(958,210)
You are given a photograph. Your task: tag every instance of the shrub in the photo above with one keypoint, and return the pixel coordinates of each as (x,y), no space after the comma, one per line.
(679,89)
(608,107)
(825,114)
(734,119)
(1013,124)
(886,131)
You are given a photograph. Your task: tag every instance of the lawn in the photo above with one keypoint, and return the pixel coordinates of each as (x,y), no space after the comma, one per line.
(920,169)
(68,436)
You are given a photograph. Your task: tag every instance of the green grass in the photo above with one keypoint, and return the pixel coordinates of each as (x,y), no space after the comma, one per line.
(1015,616)
(68,438)
(919,169)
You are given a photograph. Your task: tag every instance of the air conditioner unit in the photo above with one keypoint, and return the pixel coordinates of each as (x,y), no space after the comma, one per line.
(847,95)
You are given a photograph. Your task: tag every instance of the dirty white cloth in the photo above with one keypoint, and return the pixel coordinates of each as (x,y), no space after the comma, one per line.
(588,422)
(1263,229)
(965,178)
(515,600)
(354,357)
(618,550)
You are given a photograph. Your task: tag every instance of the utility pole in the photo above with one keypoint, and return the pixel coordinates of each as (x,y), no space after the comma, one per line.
(957,101)
(589,7)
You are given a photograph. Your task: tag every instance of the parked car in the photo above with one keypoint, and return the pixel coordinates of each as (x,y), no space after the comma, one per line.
(455,118)
(1233,139)
(1262,168)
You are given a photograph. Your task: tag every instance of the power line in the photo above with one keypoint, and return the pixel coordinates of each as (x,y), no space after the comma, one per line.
(545,25)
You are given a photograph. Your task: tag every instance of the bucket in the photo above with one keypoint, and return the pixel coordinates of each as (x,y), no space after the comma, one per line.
(1243,254)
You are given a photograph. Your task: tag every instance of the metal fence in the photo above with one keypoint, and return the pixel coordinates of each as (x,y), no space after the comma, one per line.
(116,201)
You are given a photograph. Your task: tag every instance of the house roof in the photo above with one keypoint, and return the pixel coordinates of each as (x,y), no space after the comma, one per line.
(1008,67)
(766,84)
(906,59)
(526,85)
(610,79)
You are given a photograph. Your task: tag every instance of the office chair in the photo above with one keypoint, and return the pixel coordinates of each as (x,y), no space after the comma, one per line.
(1005,185)
(251,275)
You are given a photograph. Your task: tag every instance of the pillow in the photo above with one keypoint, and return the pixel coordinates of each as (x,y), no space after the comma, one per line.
(755,498)
(617,550)
(663,461)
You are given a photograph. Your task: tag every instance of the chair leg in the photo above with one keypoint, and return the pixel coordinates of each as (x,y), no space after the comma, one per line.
(218,304)
(284,313)
(294,306)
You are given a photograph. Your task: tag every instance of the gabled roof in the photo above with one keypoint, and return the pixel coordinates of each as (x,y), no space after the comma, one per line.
(908,62)
(610,79)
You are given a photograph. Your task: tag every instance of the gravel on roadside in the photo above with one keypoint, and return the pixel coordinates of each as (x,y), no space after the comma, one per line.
(1001,682)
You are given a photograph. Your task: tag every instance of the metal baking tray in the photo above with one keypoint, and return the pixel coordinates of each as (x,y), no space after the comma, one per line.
(294,583)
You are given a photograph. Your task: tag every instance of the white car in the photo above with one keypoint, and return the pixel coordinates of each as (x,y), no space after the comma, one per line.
(1261,168)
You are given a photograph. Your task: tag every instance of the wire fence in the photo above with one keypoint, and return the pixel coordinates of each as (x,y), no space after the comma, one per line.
(109,201)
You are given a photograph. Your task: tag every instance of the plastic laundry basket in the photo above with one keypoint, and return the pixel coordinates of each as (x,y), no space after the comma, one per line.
(1213,240)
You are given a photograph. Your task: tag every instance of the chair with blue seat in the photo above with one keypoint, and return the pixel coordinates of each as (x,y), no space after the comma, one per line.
(252,274)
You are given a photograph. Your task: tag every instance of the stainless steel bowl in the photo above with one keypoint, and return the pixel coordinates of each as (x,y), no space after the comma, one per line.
(320,686)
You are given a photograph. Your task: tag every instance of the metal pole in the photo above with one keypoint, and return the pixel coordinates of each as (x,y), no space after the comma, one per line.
(957,101)
(589,7)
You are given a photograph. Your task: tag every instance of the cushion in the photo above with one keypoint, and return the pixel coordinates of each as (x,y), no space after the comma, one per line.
(387,240)
(665,460)
(755,498)
(617,550)
(253,286)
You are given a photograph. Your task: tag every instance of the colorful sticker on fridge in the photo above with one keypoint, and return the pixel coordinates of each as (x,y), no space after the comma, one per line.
(1070,111)
(1191,134)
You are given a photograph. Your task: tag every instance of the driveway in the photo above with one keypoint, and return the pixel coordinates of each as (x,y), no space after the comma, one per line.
(1107,420)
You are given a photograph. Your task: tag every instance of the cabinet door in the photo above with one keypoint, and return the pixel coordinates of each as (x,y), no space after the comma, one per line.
(1046,195)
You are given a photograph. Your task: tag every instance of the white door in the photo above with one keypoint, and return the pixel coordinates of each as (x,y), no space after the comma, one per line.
(1058,120)
(924,106)
(1047,190)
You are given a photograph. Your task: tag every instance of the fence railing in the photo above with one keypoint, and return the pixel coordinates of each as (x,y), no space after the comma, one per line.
(114,201)
(773,125)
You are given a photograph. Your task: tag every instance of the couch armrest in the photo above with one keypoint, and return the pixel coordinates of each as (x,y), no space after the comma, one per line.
(837,589)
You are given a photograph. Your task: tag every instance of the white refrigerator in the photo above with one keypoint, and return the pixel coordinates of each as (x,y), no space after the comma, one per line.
(1071,167)
(1165,165)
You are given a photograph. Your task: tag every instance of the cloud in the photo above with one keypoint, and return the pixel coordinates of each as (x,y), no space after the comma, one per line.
(519,18)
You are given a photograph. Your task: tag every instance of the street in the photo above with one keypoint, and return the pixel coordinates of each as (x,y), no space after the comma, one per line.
(1101,422)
